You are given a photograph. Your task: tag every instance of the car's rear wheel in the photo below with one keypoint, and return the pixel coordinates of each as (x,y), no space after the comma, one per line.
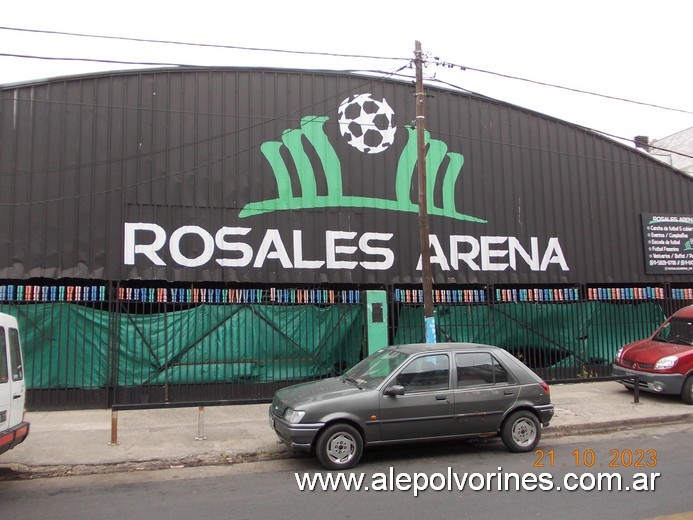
(339,446)
(687,391)
(521,431)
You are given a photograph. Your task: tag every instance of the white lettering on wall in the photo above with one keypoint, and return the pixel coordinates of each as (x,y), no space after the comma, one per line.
(467,257)
(272,247)
(299,262)
(131,248)
(485,253)
(438,255)
(388,257)
(179,257)
(553,255)
(246,252)
(333,249)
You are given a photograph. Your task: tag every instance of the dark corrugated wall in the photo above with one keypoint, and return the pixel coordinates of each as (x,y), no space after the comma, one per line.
(81,157)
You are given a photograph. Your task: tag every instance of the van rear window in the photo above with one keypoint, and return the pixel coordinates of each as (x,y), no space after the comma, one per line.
(16,356)
(4,377)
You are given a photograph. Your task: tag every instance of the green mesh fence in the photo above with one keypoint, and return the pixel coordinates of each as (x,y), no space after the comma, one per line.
(562,334)
(73,346)
(67,345)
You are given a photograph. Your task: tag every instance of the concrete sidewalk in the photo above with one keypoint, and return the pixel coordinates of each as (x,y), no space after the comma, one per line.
(74,442)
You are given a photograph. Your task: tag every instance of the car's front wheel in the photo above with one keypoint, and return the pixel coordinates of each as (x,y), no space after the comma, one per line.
(521,431)
(687,390)
(339,446)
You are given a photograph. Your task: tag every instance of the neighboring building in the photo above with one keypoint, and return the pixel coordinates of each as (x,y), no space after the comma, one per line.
(170,233)
(675,150)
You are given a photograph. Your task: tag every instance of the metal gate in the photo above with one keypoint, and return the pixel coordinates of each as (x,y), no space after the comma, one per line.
(104,345)
(90,345)
(568,333)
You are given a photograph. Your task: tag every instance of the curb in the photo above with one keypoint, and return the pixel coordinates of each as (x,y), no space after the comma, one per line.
(15,471)
(614,426)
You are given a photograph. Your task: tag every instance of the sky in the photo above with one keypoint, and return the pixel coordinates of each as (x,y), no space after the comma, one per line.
(630,49)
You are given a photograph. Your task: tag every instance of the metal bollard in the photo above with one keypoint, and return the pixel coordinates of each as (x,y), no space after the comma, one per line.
(114,428)
(636,389)
(201,424)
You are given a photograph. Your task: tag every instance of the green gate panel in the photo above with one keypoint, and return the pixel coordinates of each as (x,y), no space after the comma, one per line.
(574,333)
(65,345)
(73,346)
(225,343)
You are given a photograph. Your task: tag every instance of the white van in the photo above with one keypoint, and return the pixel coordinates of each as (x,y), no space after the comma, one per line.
(13,428)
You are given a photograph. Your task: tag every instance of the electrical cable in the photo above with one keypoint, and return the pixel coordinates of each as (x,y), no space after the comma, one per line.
(544,84)
(436,61)
(180,172)
(382,75)
(100,60)
(205,45)
(629,140)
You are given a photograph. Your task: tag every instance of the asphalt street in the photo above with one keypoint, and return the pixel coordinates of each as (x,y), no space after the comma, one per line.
(270,489)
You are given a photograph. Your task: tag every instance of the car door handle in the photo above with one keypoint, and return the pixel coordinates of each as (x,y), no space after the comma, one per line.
(441,398)
(16,396)
(508,392)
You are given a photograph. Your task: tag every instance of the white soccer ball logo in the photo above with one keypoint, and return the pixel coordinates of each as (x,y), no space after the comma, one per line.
(367,123)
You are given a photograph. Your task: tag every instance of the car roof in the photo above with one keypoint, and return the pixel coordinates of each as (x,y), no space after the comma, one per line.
(686,312)
(413,348)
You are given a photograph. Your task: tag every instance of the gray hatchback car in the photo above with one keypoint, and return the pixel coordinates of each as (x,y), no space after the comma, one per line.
(414,393)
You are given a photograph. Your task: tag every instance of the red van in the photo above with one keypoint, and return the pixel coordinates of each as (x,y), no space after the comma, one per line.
(664,361)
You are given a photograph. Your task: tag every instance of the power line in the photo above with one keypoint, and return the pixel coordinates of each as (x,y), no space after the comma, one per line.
(380,75)
(436,61)
(553,85)
(136,184)
(207,45)
(391,74)
(626,139)
(384,75)
(649,145)
(95,60)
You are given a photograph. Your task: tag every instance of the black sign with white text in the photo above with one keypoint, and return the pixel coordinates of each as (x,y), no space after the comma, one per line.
(668,243)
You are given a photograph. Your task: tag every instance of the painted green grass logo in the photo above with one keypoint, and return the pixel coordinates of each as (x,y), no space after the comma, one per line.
(311,128)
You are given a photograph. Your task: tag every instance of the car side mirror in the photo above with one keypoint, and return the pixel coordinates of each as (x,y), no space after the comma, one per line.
(394,390)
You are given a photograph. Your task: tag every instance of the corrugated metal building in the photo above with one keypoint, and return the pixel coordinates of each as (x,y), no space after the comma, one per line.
(147,186)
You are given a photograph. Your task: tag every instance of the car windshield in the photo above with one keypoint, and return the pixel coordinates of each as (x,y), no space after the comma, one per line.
(677,330)
(374,369)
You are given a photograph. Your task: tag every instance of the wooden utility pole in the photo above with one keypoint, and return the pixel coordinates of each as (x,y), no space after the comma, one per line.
(429,315)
